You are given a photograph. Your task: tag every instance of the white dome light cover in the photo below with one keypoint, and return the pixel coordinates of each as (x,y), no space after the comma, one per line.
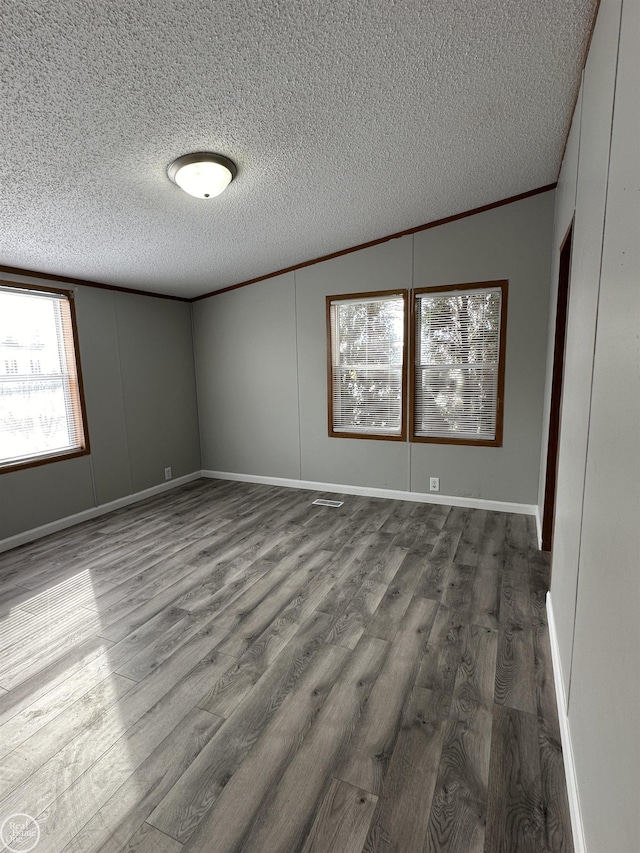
(202,175)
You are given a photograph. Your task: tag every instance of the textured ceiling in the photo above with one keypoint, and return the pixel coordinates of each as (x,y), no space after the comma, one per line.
(348,121)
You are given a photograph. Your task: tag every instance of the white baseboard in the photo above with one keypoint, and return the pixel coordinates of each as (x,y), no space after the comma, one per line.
(539,528)
(93,512)
(565,734)
(372,492)
(337,488)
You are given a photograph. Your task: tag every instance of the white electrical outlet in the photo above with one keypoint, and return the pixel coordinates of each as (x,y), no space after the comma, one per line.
(434,484)
(167,473)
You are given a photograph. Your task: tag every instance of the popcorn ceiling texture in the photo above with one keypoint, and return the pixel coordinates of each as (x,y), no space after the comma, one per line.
(348,121)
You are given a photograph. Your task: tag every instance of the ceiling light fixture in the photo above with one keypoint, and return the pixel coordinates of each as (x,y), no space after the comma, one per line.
(202,175)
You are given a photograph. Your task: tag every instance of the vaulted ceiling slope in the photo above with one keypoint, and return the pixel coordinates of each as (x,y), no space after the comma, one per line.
(348,120)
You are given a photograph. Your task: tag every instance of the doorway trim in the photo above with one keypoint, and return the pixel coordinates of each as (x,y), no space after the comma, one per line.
(555,413)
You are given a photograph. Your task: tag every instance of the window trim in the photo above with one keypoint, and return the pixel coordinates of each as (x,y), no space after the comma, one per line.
(77,401)
(369,436)
(503,284)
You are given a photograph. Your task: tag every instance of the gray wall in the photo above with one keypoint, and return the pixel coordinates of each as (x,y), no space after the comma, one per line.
(595,587)
(136,354)
(245,343)
(269,340)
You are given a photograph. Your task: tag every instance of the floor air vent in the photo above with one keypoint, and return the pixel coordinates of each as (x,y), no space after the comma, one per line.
(322,502)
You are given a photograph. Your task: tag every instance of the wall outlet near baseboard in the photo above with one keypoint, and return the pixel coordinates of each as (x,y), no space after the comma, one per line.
(167,473)
(434,484)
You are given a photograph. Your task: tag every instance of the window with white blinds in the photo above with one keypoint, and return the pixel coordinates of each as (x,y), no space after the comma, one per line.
(41,409)
(458,373)
(366,370)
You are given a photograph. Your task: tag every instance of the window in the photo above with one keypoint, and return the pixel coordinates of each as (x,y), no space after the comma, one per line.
(367,365)
(457,339)
(458,373)
(41,405)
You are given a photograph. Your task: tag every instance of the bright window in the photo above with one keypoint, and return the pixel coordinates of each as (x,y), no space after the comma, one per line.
(458,372)
(366,372)
(41,406)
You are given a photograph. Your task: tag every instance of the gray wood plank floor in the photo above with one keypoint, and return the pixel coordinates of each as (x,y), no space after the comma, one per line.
(228,667)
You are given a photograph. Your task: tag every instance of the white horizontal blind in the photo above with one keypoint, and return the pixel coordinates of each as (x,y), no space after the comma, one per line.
(457,336)
(40,408)
(367,351)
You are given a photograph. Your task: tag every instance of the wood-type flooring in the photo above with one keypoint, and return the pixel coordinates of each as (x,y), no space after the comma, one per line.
(228,667)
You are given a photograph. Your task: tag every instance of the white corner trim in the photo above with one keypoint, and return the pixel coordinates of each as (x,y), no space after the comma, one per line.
(93,512)
(539,528)
(372,492)
(565,735)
